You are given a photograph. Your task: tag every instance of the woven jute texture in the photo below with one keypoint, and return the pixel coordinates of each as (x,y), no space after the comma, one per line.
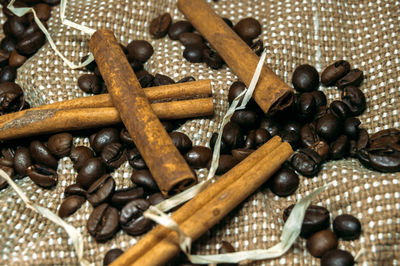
(317,32)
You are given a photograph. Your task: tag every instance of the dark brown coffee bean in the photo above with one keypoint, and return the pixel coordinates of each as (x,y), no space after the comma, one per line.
(270,125)
(7,162)
(43,11)
(292,137)
(156,198)
(226,163)
(340,110)
(198,156)
(284,182)
(8,44)
(135,159)
(22,160)
(112,255)
(42,155)
(306,107)
(354,98)
(186,79)
(241,154)
(224,148)
(90,66)
(9,171)
(308,135)
(261,136)
(29,44)
(329,127)
(181,141)
(113,155)
(339,148)
(75,189)
(305,78)
(8,151)
(103,137)
(350,127)
(233,135)
(347,226)
(248,29)
(250,141)
(101,190)
(353,78)
(257,47)
(188,38)
(140,50)
(122,196)
(212,59)
(178,28)
(160,80)
(306,162)
(363,139)
(42,175)
(235,89)
(16,60)
(131,218)
(321,242)
(103,222)
(135,64)
(194,52)
(337,257)
(70,205)
(334,72)
(33,27)
(144,179)
(90,83)
(8,74)
(126,137)
(60,144)
(245,118)
(322,148)
(319,97)
(92,170)
(145,78)
(14,27)
(80,155)
(11,97)
(160,25)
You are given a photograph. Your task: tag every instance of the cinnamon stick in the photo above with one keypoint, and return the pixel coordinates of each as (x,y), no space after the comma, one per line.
(37,121)
(166,164)
(209,206)
(271,93)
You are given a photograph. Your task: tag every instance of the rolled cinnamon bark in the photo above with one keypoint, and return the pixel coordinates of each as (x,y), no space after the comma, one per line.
(42,121)
(271,93)
(166,164)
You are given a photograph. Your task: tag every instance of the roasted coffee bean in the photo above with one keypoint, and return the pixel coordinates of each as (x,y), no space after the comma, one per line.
(212,59)
(347,226)
(245,118)
(329,127)
(224,148)
(70,205)
(145,78)
(321,242)
(350,127)
(306,162)
(131,218)
(257,47)
(308,135)
(248,29)
(270,125)
(316,218)
(261,136)
(140,50)
(3,182)
(337,257)
(186,79)
(144,179)
(41,154)
(385,160)
(14,27)
(103,137)
(363,139)
(233,135)
(91,66)
(22,160)
(80,155)
(178,28)
(160,80)
(390,135)
(90,83)
(181,141)
(156,198)
(101,190)
(334,72)
(226,163)
(16,60)
(103,222)
(4,57)
(75,189)
(352,148)
(353,78)
(322,148)
(241,154)
(92,170)
(11,97)
(60,144)
(33,27)
(8,151)
(228,22)
(235,89)
(113,155)
(292,126)
(292,137)
(8,74)
(250,141)
(42,175)
(355,100)
(126,137)
(339,148)
(340,110)
(188,38)
(319,97)
(160,25)
(43,11)
(305,78)
(135,159)
(198,156)
(194,52)
(112,254)
(284,182)
(306,107)
(9,171)
(135,64)
(7,162)
(29,44)
(8,44)
(122,196)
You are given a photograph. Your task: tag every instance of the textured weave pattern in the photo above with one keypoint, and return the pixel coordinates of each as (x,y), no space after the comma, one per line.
(316,32)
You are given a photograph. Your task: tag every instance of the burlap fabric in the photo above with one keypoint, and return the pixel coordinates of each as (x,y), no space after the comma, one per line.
(295,32)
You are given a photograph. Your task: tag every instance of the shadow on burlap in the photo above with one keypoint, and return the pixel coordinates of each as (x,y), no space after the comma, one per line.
(295,32)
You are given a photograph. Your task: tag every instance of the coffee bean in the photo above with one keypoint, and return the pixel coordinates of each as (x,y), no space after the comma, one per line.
(90,66)
(75,189)
(122,196)
(340,110)
(224,148)
(156,198)
(329,127)
(291,137)
(181,141)
(8,151)
(145,78)
(178,28)
(241,154)
(135,159)
(70,205)
(92,170)
(248,29)
(33,27)
(126,138)
(322,148)
(3,182)
(104,137)
(337,257)
(270,125)
(353,78)
(235,89)
(103,222)
(347,227)
(257,47)
(305,78)
(43,11)
(198,156)
(160,25)
(308,135)
(42,175)
(261,136)
(112,255)
(11,97)
(354,98)
(340,147)
(135,64)
(14,27)
(60,144)
(250,141)
(113,155)
(363,139)
(30,43)
(140,50)
(144,179)
(22,160)
(41,154)
(385,160)
(186,79)
(226,163)
(188,38)
(233,135)
(245,118)
(284,182)
(306,162)
(90,83)
(194,52)
(350,127)
(8,74)
(160,80)
(334,72)
(80,155)
(319,97)
(306,107)
(228,22)
(212,59)
(7,162)
(16,60)
(8,44)
(321,242)
(131,218)
(101,190)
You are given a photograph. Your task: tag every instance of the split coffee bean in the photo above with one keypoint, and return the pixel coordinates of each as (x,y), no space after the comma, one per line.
(75,189)
(131,218)
(337,257)
(308,135)
(11,98)
(198,157)
(321,242)
(160,80)
(90,83)
(135,159)
(306,162)
(80,155)
(140,50)
(347,227)
(340,110)
(122,196)
(284,183)
(101,190)
(113,155)
(322,148)
(60,144)
(178,28)
(42,176)
(160,25)
(334,72)
(92,170)
(305,78)
(354,98)
(22,160)
(353,78)
(111,256)
(350,127)
(339,148)
(70,205)
(103,223)
(42,155)
(181,141)
(144,179)
(248,29)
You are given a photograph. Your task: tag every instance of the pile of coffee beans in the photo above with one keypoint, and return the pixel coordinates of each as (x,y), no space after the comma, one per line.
(196,48)
(322,242)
